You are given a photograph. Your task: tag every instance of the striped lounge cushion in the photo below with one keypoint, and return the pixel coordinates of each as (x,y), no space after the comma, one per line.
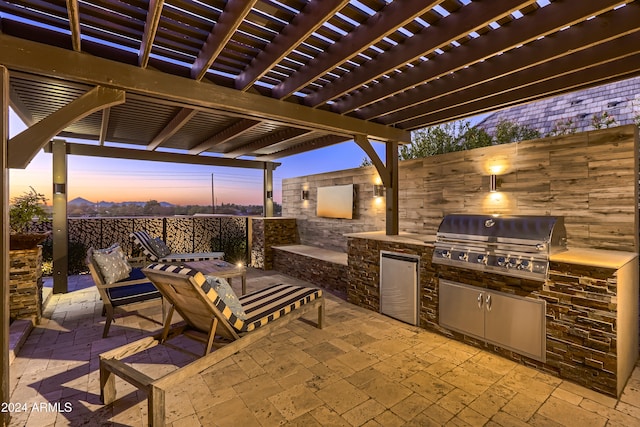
(275,301)
(261,306)
(143,240)
(196,256)
(148,246)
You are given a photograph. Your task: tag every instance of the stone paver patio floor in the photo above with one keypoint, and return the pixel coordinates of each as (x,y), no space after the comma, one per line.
(363,368)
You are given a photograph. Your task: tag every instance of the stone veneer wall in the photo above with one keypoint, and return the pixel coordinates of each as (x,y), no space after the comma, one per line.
(25,284)
(328,275)
(364,273)
(581,310)
(269,232)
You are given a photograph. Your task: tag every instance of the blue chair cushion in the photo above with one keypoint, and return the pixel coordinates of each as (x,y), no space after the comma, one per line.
(123,295)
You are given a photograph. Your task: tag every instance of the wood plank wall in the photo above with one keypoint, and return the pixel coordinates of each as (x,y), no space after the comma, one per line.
(590,178)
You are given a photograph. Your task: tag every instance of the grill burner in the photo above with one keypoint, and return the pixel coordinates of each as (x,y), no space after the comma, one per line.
(517,246)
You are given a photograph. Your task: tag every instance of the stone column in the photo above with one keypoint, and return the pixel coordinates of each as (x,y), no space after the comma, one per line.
(25,284)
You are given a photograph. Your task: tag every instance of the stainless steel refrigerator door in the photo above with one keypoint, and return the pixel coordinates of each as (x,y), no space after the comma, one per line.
(399,286)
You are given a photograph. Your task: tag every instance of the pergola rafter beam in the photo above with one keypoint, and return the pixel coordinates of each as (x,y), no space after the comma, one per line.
(150,29)
(530,27)
(383,23)
(230,132)
(175,124)
(24,146)
(35,58)
(314,144)
(469,18)
(314,14)
(230,19)
(287,135)
(593,76)
(580,61)
(74,24)
(611,30)
(158,156)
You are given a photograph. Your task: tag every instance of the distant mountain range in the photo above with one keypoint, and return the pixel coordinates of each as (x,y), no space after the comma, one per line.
(79,201)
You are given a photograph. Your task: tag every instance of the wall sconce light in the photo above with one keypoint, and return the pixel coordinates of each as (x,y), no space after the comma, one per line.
(58,188)
(378,190)
(305,194)
(493,183)
(269,194)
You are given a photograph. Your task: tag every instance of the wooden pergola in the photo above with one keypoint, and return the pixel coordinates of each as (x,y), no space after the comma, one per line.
(245,83)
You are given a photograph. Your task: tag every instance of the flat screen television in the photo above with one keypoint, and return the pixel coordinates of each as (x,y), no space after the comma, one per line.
(335,201)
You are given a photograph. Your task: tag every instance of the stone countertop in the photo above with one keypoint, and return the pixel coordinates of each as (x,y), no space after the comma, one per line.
(403,237)
(582,256)
(594,257)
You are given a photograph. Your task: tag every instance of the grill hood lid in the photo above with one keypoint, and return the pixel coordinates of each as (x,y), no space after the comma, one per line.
(546,229)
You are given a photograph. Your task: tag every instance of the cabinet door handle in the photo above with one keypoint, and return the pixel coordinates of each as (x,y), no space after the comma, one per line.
(480,300)
(488,302)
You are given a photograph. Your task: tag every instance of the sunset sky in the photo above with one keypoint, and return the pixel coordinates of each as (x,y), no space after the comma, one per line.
(113,180)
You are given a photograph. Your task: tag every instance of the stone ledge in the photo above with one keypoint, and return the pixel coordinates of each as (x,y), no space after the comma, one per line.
(18,333)
(316,252)
(324,273)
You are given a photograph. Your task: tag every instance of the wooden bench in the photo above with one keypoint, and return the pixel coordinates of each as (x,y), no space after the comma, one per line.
(322,267)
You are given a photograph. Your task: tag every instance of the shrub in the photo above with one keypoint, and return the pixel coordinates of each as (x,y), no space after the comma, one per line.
(77,253)
(234,248)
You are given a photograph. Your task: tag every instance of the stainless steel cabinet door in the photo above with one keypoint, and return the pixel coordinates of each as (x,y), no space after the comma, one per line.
(516,323)
(461,308)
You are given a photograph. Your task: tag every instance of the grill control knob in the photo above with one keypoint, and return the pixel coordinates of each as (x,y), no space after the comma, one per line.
(446,254)
(501,261)
(512,263)
(524,265)
(463,256)
(482,259)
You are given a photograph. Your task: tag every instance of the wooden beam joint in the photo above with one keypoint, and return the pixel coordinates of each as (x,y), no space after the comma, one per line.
(383,171)
(24,146)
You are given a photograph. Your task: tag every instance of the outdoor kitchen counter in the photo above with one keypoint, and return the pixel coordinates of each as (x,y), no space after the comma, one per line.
(594,257)
(403,237)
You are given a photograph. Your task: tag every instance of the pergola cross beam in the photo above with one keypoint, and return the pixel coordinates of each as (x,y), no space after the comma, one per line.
(24,146)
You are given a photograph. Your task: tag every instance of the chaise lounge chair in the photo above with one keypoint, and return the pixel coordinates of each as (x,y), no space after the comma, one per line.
(157,251)
(211,312)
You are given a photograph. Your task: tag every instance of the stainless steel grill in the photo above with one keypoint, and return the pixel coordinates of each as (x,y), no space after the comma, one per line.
(517,246)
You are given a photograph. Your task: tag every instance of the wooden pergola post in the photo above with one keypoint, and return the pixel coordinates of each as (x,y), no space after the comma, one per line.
(60,227)
(392,223)
(4,240)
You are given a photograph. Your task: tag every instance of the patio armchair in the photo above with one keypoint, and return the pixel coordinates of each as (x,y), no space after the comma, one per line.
(213,315)
(156,250)
(121,287)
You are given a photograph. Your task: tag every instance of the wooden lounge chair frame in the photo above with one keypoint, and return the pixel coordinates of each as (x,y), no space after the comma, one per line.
(110,310)
(202,318)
